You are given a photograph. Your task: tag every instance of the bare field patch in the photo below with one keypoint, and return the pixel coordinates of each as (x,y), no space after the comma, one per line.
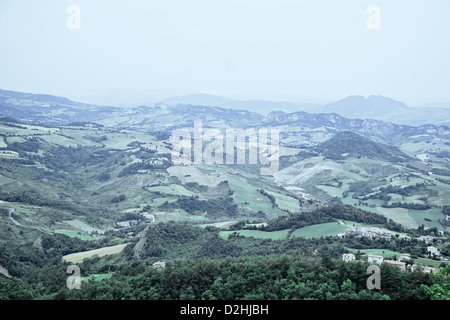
(188,174)
(80,256)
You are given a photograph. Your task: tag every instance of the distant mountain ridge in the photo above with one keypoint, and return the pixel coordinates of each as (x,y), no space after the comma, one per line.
(37,99)
(366,108)
(369,127)
(57,110)
(386,109)
(260,106)
(48,109)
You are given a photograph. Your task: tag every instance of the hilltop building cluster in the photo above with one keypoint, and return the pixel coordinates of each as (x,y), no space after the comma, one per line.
(367,232)
(400,263)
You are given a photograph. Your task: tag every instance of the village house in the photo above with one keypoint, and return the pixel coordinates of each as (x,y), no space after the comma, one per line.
(432,251)
(157,161)
(427,239)
(403,257)
(347,257)
(371,258)
(159,265)
(425,269)
(127,223)
(367,232)
(399,264)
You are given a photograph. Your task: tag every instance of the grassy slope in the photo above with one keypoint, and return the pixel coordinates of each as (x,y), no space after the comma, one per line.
(98,194)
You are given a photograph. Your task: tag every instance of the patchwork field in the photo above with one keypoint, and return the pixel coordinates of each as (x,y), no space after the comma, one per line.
(2,142)
(97,276)
(385,253)
(319,230)
(172,189)
(74,234)
(248,196)
(187,174)
(8,154)
(285,202)
(80,256)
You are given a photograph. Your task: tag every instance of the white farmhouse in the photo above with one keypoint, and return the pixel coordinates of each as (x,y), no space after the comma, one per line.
(427,269)
(347,257)
(427,239)
(159,265)
(432,251)
(371,258)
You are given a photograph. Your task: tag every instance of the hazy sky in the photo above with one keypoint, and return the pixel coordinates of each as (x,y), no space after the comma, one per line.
(270,49)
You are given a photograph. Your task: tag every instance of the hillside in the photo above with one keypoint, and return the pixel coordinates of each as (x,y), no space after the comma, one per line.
(49,109)
(375,129)
(110,188)
(348,144)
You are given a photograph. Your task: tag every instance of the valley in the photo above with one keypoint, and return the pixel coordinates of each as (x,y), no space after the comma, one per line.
(104,193)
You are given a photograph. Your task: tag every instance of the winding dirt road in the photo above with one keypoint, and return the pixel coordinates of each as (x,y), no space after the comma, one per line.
(11,210)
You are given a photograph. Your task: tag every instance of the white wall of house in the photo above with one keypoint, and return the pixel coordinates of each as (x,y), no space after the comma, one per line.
(371,258)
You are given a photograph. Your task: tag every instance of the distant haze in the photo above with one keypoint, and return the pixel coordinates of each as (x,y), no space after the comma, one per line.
(130,52)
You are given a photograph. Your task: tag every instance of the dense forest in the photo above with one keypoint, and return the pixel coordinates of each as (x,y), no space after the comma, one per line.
(252,277)
(323,215)
(216,207)
(203,265)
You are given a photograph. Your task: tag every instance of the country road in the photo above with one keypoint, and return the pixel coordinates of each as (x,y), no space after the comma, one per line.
(5,272)
(11,210)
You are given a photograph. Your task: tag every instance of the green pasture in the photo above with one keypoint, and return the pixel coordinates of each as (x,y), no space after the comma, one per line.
(319,230)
